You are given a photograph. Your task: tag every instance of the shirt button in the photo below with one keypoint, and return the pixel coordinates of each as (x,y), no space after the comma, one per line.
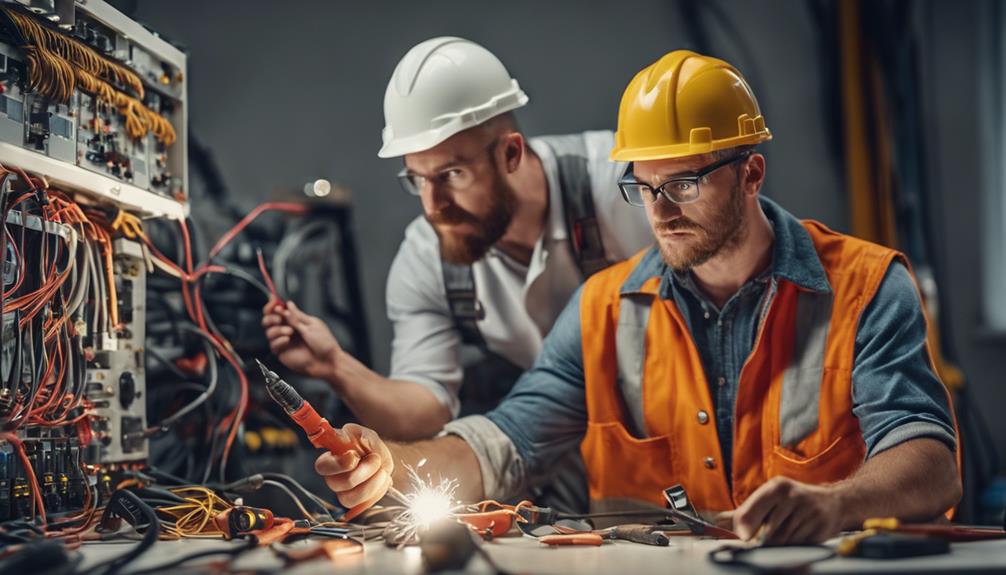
(706,314)
(703,417)
(709,462)
(721,381)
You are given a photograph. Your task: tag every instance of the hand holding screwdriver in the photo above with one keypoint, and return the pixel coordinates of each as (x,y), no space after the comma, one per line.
(357,450)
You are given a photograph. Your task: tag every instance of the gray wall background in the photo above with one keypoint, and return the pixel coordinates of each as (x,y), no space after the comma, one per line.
(284,92)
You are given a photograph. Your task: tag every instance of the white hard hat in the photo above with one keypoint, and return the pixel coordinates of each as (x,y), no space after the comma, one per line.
(441,87)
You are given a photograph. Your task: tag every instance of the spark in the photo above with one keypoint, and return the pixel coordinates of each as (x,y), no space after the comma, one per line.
(426,503)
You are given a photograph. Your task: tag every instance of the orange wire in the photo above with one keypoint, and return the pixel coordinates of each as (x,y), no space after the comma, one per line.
(19,446)
(65,211)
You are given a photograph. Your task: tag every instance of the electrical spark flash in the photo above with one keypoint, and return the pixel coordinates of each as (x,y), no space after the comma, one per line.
(426,503)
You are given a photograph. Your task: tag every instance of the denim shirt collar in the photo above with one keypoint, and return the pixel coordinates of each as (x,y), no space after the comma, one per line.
(794,258)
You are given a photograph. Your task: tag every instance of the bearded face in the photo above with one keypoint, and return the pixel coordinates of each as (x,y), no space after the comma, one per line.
(464,190)
(685,243)
(465,237)
(691,234)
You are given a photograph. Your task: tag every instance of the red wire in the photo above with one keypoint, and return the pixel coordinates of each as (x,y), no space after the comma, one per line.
(268,278)
(234,418)
(186,295)
(288,207)
(51,396)
(19,446)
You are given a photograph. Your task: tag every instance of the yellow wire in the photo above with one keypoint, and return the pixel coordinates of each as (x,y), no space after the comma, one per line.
(194,518)
(58,64)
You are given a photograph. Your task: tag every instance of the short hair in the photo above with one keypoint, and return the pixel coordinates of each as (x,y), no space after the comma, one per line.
(730,152)
(503,123)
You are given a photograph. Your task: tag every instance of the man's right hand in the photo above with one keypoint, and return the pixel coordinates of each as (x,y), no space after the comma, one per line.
(358,477)
(302,342)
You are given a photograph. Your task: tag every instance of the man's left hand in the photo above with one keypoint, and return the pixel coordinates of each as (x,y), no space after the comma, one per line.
(784,511)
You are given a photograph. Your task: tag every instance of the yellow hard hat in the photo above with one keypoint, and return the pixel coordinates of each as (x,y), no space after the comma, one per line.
(685,104)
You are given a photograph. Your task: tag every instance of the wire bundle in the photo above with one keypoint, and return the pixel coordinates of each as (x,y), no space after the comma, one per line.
(191,276)
(75,51)
(49,74)
(72,274)
(57,64)
(194,517)
(62,296)
(65,291)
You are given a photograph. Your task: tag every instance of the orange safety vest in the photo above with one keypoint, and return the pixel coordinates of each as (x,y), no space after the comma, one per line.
(649,409)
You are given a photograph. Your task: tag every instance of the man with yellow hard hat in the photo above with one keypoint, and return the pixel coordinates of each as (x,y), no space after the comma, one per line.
(778,370)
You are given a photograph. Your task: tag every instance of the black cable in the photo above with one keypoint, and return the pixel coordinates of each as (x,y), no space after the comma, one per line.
(734,556)
(128,506)
(215,433)
(42,557)
(235,423)
(207,316)
(179,260)
(213,451)
(293,496)
(288,249)
(298,486)
(211,357)
(255,482)
(155,394)
(170,365)
(3,246)
(163,475)
(239,273)
(247,544)
(174,454)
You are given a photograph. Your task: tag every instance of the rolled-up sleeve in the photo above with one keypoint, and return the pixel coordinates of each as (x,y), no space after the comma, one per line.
(896,394)
(542,419)
(426,345)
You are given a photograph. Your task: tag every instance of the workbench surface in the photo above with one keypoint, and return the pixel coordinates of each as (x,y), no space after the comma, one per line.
(526,555)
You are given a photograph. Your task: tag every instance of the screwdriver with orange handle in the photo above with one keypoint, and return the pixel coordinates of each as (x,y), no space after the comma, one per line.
(319,431)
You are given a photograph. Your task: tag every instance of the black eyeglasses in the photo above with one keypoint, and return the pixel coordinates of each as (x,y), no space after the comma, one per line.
(679,189)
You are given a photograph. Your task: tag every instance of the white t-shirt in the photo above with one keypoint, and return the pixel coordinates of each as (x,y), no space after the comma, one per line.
(521,302)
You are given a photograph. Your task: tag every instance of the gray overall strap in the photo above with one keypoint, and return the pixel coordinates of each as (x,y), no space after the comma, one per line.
(493,374)
(581,225)
(465,308)
(578,202)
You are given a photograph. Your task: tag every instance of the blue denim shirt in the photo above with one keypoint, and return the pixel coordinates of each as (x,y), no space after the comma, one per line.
(896,395)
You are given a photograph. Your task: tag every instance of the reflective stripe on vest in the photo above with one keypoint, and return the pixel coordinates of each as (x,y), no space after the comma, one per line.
(801,382)
(630,345)
(798,408)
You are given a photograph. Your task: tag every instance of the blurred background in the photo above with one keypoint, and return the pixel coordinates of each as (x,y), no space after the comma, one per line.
(887,118)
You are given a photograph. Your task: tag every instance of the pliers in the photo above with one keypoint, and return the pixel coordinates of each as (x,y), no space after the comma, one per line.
(636,533)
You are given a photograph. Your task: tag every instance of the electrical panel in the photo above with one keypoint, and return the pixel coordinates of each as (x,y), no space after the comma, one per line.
(94,101)
(114,382)
(92,134)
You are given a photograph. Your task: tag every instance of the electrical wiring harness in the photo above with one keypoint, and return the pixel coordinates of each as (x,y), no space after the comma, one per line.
(57,64)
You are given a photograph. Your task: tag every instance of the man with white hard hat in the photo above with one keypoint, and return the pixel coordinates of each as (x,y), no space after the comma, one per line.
(511,227)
